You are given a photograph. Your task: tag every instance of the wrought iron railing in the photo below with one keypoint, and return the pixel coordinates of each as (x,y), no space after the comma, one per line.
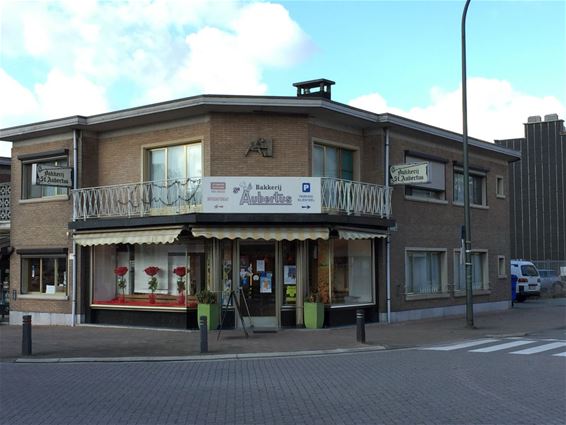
(185,196)
(5,191)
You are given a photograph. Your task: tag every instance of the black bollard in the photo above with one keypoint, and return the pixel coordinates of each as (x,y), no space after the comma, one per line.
(26,336)
(203,335)
(361,326)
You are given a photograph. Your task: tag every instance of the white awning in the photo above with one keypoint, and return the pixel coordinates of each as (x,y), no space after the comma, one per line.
(138,236)
(265,233)
(349,234)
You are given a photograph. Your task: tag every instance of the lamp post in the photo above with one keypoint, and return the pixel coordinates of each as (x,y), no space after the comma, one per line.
(467,230)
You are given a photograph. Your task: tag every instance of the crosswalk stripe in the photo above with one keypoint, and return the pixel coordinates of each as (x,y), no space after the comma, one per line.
(541,348)
(560,354)
(501,346)
(462,345)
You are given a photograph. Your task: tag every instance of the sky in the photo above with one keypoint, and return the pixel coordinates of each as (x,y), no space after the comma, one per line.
(68,57)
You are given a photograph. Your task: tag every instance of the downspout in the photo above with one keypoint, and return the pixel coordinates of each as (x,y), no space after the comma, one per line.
(76,137)
(388,239)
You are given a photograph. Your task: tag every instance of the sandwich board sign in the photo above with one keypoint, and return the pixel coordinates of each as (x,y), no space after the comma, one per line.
(416,173)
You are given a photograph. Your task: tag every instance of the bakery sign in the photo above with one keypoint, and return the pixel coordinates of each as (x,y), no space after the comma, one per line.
(256,195)
(416,173)
(49,175)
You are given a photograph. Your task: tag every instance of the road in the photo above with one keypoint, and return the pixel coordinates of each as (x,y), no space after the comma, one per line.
(442,384)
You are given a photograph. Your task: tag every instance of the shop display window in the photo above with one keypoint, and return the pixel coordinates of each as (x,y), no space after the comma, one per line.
(341,271)
(157,275)
(44,275)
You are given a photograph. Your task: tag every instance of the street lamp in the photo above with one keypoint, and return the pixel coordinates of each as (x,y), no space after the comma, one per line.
(467,228)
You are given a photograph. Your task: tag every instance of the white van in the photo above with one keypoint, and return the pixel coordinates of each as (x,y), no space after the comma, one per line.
(528,279)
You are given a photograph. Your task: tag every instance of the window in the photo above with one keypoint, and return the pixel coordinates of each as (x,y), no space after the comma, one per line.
(476,185)
(436,188)
(499,187)
(501,267)
(479,271)
(331,161)
(341,271)
(32,191)
(44,275)
(425,271)
(176,171)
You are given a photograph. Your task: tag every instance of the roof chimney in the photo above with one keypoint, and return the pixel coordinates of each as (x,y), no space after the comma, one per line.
(304,88)
(533,119)
(551,117)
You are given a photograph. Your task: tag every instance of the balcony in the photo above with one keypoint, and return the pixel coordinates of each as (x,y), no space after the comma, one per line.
(173,197)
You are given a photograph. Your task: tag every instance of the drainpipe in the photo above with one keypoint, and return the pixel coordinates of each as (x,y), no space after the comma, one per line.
(388,239)
(76,138)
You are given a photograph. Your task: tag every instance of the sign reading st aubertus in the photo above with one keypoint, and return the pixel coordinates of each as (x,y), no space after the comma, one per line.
(48,175)
(409,173)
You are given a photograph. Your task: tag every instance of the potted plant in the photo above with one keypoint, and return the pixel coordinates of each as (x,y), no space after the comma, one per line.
(151,271)
(207,306)
(180,272)
(313,311)
(120,272)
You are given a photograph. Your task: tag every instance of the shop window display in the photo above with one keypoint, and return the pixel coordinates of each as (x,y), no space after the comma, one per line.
(158,275)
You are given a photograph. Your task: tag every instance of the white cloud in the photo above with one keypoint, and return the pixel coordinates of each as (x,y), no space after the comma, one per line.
(164,49)
(495,109)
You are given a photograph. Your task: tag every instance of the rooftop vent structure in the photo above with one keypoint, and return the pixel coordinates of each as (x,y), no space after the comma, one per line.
(314,88)
(551,117)
(533,119)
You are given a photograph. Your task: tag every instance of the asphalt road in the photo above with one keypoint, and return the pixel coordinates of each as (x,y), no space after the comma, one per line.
(406,386)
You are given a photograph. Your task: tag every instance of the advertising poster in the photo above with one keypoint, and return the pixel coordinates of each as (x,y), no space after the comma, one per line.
(265,286)
(290,275)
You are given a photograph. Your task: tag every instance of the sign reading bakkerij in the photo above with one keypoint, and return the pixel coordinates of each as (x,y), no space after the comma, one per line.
(256,195)
(409,173)
(44,175)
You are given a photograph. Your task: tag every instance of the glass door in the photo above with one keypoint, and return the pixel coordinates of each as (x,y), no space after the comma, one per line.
(257,271)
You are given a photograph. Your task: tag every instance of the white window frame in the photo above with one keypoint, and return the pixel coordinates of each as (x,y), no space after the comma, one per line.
(420,192)
(461,290)
(443,274)
(500,187)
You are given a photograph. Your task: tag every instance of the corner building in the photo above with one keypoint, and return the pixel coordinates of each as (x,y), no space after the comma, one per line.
(273,198)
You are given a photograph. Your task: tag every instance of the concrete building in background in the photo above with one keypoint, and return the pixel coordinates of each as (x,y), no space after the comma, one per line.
(537,186)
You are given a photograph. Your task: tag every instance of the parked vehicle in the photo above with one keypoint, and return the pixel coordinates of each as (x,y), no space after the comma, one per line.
(528,279)
(550,284)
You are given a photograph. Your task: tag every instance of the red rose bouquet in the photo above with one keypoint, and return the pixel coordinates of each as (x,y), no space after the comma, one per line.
(120,272)
(180,272)
(151,271)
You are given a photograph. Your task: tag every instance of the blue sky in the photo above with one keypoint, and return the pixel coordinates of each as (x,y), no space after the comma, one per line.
(62,58)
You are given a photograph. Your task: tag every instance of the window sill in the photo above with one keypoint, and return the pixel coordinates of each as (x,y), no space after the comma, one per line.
(502,276)
(417,297)
(476,206)
(474,292)
(45,199)
(43,297)
(426,200)
(500,196)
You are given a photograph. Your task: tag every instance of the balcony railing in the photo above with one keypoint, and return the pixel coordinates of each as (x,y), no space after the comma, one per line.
(184,196)
(5,201)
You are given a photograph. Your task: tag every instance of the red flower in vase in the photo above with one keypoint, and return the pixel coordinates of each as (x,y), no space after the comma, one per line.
(120,271)
(151,270)
(180,271)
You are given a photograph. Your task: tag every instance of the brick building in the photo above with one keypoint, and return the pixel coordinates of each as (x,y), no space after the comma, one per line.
(274,198)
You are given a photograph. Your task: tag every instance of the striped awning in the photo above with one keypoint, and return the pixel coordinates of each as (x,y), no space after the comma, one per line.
(349,234)
(138,236)
(262,233)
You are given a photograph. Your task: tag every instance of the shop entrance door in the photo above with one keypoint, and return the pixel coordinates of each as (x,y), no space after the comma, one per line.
(258,283)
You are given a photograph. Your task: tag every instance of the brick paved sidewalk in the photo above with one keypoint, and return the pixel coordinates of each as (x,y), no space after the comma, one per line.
(86,341)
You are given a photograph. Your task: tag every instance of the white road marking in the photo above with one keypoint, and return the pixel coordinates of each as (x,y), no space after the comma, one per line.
(541,348)
(462,345)
(502,346)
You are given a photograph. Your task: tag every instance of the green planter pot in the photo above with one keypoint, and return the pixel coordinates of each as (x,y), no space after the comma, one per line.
(314,315)
(212,313)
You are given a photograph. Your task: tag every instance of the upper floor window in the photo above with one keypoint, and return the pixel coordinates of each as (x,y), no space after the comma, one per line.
(331,161)
(175,162)
(29,164)
(499,187)
(436,187)
(477,187)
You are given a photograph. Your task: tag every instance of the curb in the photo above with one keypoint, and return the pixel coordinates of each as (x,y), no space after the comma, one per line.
(205,357)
